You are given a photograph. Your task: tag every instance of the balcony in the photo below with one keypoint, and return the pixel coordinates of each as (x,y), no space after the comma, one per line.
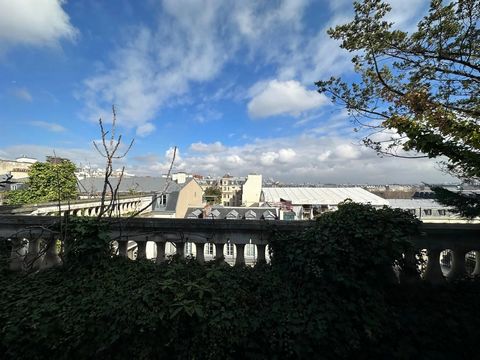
(136,237)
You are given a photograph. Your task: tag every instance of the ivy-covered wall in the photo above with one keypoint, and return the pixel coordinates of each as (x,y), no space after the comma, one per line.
(331,296)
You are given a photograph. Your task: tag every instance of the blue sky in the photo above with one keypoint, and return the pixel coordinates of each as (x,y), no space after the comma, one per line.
(228,82)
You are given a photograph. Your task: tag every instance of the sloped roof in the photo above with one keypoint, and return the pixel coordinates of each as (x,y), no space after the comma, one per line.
(221,212)
(233,214)
(415,204)
(321,196)
(268,215)
(250,214)
(143,184)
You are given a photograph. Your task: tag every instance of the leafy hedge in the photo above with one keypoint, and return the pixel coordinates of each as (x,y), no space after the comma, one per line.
(325,306)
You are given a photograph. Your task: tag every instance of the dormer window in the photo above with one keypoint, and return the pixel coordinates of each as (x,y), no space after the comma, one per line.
(268,215)
(214,214)
(195,214)
(232,215)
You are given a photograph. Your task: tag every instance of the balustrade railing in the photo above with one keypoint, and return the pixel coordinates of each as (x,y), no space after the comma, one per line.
(34,244)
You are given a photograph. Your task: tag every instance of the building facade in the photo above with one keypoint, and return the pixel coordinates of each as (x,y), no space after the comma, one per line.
(231,190)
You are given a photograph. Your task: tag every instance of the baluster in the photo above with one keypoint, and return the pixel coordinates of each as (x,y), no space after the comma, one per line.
(122,248)
(240,259)
(200,248)
(476,271)
(433,274)
(180,249)
(17,255)
(457,270)
(51,257)
(32,259)
(261,253)
(160,243)
(219,256)
(142,249)
(409,273)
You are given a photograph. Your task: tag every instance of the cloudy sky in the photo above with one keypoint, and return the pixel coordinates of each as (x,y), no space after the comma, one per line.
(231,83)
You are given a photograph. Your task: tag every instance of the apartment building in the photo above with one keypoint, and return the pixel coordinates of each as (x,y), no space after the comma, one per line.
(231,190)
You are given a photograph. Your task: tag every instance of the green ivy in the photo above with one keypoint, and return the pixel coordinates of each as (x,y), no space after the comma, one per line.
(86,240)
(326,295)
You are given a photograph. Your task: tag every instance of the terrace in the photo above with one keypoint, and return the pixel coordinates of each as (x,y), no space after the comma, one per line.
(30,234)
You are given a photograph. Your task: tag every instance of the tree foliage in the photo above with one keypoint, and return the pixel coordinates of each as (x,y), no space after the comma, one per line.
(86,240)
(214,192)
(423,88)
(47,181)
(354,246)
(326,295)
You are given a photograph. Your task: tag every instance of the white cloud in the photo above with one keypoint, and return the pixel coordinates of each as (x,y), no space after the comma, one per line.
(319,57)
(190,44)
(268,158)
(173,152)
(207,148)
(324,155)
(235,160)
(316,160)
(22,94)
(145,129)
(38,23)
(406,14)
(39,152)
(286,155)
(347,151)
(155,65)
(53,127)
(308,159)
(284,97)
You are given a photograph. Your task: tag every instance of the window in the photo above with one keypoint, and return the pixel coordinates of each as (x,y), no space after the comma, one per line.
(232,215)
(427,212)
(188,248)
(229,247)
(195,214)
(208,249)
(160,201)
(442,212)
(268,215)
(250,250)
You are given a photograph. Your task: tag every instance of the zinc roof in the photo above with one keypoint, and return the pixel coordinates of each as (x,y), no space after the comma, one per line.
(143,184)
(321,196)
(415,204)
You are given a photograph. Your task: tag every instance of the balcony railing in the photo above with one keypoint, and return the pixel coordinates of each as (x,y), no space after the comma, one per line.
(34,242)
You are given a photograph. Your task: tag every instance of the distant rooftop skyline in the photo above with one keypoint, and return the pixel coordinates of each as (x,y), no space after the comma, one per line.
(228,82)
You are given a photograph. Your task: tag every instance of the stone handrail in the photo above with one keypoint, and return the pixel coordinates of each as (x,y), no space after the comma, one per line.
(85,207)
(459,239)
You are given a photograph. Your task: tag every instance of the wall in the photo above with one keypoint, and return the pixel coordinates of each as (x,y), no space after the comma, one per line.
(189,196)
(17,169)
(180,178)
(251,190)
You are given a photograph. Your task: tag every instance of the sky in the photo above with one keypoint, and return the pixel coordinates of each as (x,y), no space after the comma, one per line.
(229,83)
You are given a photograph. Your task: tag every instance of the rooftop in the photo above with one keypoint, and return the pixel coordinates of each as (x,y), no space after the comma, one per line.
(317,196)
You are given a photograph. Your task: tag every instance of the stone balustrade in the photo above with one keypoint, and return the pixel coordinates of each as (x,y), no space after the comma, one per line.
(29,233)
(85,207)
